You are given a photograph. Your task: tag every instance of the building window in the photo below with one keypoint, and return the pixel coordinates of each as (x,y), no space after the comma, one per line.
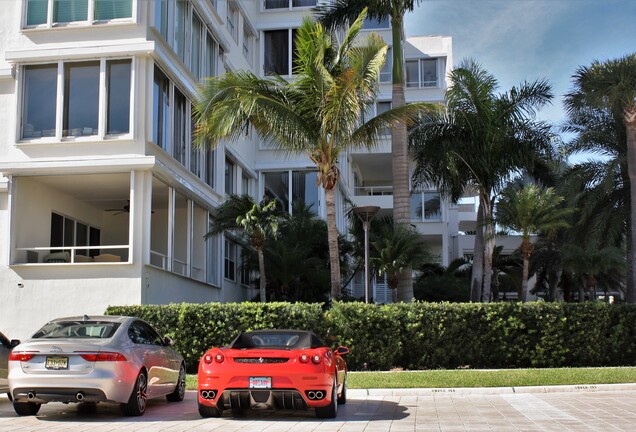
(211,274)
(425,206)
(287,4)
(211,56)
(39,101)
(161,109)
(68,232)
(181,122)
(229,261)
(230,176)
(118,91)
(71,11)
(278,46)
(376,24)
(247,45)
(196,48)
(180,20)
(300,185)
(244,273)
(81,99)
(232,20)
(386,73)
(383,107)
(421,73)
(210,160)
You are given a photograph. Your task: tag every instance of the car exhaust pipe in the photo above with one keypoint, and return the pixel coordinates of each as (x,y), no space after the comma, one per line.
(208,394)
(79,396)
(319,395)
(311,395)
(31,395)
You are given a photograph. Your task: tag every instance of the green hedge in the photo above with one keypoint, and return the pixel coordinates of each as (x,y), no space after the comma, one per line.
(418,335)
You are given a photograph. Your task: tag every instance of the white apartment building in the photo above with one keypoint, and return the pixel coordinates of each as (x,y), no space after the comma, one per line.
(103,198)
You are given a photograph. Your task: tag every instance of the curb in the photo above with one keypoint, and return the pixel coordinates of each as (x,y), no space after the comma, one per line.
(489,390)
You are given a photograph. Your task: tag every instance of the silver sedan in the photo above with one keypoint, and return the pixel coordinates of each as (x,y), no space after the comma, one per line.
(95,359)
(5,347)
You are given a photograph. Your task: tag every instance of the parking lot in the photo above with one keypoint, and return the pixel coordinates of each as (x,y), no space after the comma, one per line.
(581,408)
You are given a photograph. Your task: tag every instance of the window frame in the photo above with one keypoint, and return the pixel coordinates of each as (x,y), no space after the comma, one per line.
(60,83)
(420,83)
(290,50)
(229,259)
(89,21)
(290,6)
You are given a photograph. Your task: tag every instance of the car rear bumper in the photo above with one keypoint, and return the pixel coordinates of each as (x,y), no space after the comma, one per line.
(44,395)
(66,389)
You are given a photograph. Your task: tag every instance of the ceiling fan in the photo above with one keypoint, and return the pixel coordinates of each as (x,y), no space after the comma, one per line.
(124,209)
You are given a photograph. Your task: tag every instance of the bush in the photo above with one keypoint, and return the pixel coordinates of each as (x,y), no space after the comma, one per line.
(418,335)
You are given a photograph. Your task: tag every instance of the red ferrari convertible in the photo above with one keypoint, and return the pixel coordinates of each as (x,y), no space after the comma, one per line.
(273,369)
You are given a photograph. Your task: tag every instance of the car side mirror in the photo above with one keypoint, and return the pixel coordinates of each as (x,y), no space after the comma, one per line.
(342,350)
(168,341)
(15,343)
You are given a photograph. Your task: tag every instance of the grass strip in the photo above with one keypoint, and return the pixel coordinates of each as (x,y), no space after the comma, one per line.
(482,378)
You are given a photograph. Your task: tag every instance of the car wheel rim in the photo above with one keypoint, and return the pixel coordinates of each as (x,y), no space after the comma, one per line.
(182,382)
(141,392)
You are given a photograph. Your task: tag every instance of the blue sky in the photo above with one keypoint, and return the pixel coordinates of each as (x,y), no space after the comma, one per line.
(520,40)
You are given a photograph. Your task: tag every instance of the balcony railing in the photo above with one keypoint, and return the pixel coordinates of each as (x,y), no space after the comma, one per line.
(373,190)
(73,254)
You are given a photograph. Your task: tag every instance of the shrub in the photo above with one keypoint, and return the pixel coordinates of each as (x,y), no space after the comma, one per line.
(417,335)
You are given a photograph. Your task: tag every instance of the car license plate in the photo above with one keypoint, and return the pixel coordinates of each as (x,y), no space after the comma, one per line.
(261,382)
(56,363)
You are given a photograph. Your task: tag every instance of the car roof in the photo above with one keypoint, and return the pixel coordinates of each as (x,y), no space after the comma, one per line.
(107,318)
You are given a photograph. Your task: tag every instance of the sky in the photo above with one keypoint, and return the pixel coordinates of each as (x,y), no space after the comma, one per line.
(526,40)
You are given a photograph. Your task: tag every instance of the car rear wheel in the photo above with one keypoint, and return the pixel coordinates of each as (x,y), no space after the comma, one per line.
(331,410)
(208,411)
(26,408)
(136,405)
(342,398)
(179,391)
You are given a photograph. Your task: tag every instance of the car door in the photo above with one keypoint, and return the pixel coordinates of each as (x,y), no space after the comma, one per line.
(5,347)
(162,366)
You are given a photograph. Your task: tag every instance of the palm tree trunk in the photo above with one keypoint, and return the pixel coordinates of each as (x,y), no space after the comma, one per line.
(332,236)
(261,269)
(400,159)
(630,124)
(489,247)
(477,276)
(524,280)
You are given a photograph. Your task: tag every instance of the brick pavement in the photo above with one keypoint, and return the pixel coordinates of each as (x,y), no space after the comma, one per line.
(576,408)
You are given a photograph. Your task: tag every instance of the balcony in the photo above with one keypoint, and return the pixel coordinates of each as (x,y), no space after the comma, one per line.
(381,195)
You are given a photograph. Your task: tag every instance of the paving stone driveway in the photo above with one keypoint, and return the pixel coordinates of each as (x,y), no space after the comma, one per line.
(581,408)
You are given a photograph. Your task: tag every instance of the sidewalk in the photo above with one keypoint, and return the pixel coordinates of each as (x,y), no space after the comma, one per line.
(599,408)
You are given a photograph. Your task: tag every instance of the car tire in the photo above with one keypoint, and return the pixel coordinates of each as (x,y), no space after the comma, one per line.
(208,411)
(10,397)
(342,397)
(136,405)
(26,408)
(179,391)
(331,410)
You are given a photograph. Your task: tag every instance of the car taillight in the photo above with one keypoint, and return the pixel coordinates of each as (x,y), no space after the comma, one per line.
(21,355)
(102,356)
(209,358)
(316,358)
(304,358)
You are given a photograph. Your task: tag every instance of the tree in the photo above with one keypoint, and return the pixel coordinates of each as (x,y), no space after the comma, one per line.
(395,249)
(481,140)
(588,266)
(317,113)
(256,221)
(343,12)
(530,210)
(611,85)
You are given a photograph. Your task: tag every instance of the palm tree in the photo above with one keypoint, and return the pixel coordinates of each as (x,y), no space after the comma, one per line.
(343,12)
(256,221)
(611,85)
(481,140)
(317,113)
(530,210)
(588,266)
(395,249)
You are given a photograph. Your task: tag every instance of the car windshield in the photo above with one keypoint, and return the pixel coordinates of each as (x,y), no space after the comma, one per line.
(77,330)
(287,340)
